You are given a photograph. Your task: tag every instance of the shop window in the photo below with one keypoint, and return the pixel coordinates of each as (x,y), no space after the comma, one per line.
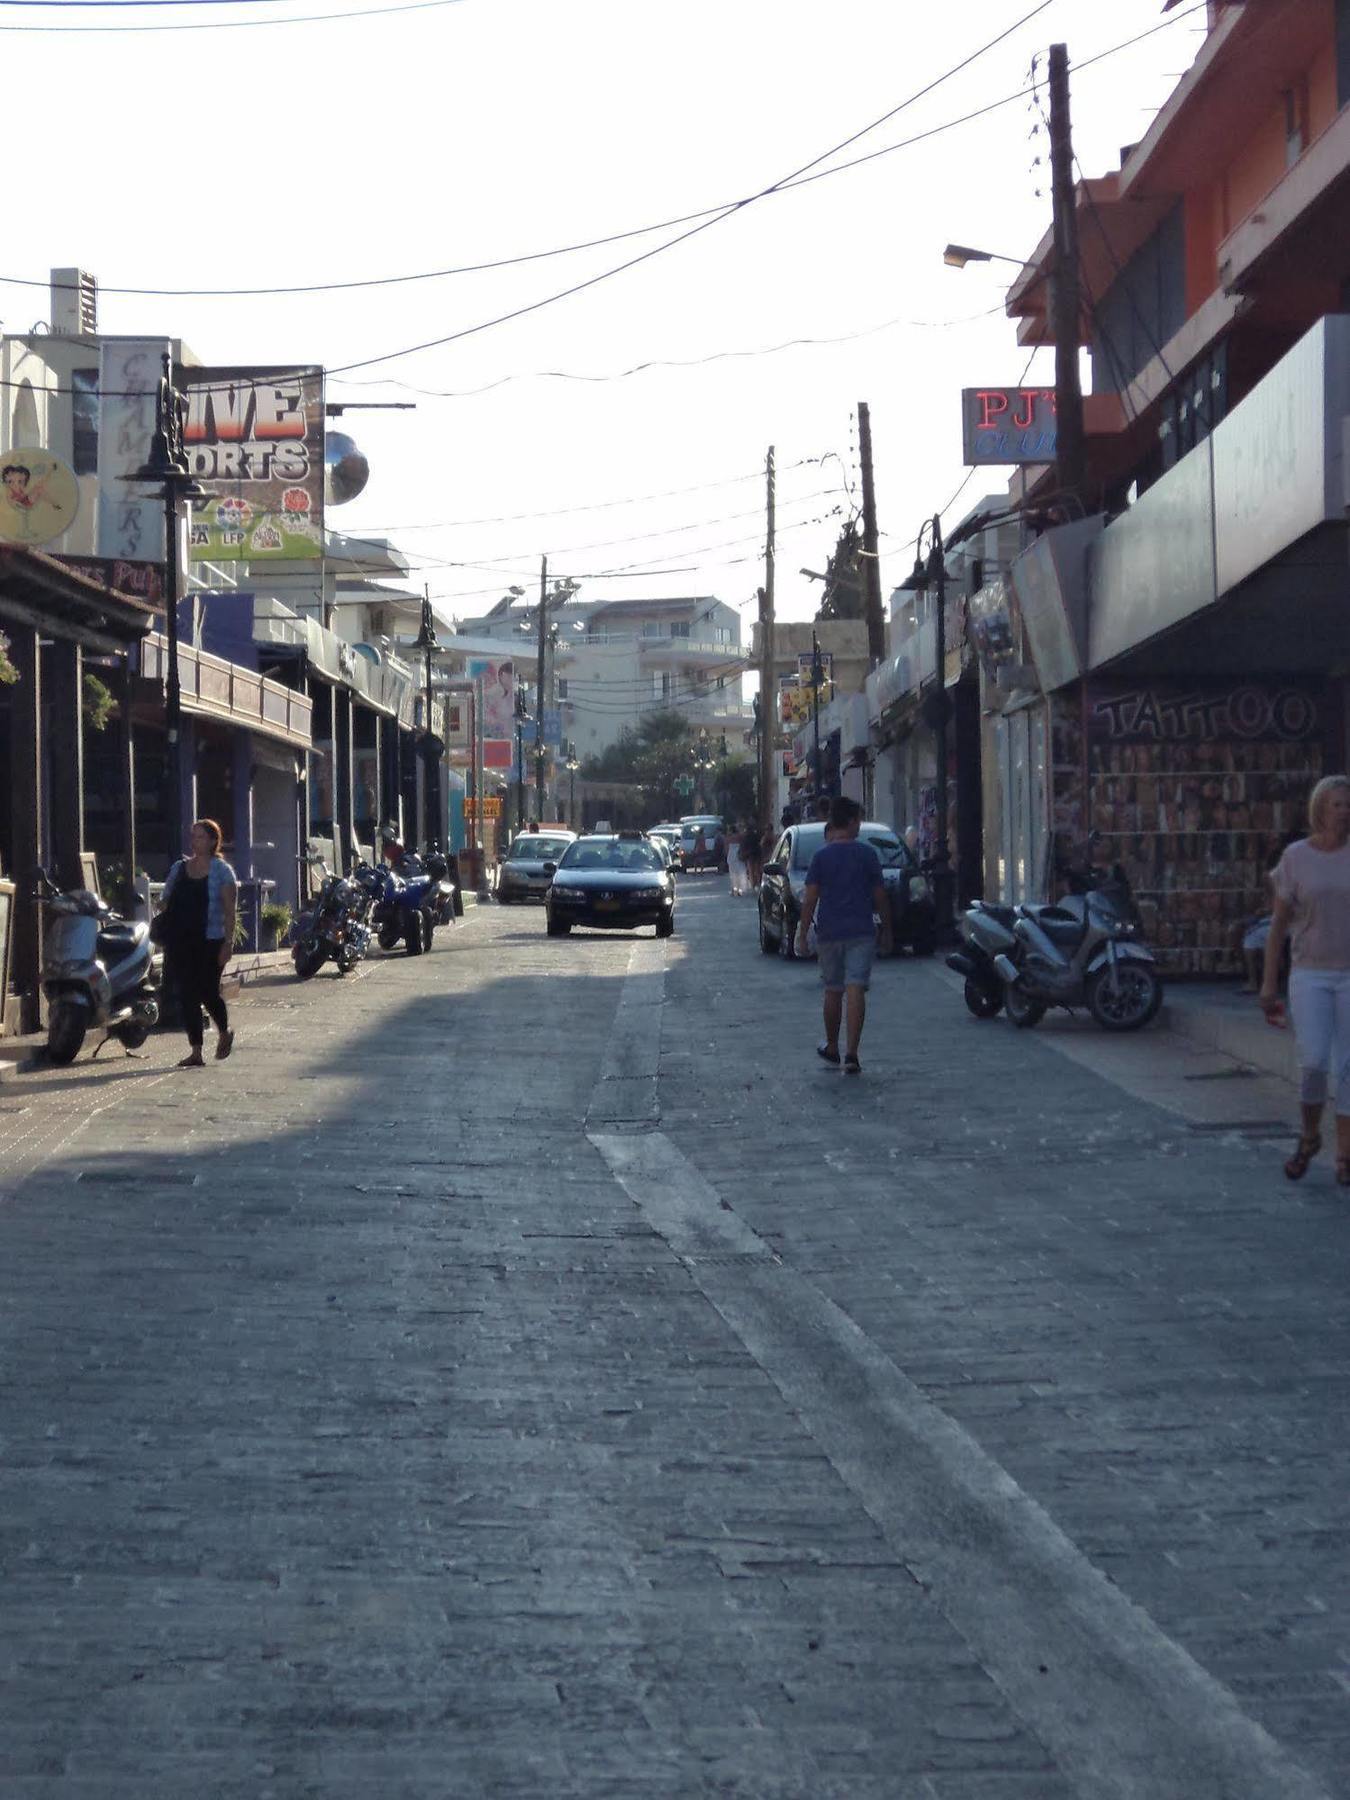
(562,687)
(84,421)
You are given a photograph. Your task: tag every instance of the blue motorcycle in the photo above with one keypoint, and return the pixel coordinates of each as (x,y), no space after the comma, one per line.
(400,912)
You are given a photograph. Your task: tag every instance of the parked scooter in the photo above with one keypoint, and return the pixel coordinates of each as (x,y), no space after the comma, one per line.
(446,900)
(335,929)
(100,971)
(1082,951)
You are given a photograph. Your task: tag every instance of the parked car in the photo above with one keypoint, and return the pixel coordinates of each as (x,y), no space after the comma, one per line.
(669,835)
(521,875)
(616,882)
(663,847)
(703,843)
(913,919)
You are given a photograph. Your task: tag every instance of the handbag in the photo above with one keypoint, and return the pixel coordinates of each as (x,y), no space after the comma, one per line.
(161,929)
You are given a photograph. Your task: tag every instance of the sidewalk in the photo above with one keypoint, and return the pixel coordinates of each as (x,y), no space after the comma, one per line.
(1218,1016)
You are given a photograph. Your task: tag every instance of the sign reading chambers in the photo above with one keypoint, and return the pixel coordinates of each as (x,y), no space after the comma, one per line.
(254,439)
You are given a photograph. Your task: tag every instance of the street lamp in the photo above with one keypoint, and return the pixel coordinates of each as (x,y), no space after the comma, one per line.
(522,714)
(956,256)
(572,765)
(933,571)
(166,468)
(817,677)
(426,641)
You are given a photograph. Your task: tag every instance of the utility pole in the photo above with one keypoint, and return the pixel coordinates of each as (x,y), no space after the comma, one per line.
(768,708)
(871,561)
(1065,296)
(540,759)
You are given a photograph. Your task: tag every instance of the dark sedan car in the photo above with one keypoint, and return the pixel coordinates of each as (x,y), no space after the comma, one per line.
(784,882)
(616,883)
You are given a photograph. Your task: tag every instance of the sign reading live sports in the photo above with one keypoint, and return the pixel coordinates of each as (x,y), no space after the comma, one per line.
(254,439)
(1008,425)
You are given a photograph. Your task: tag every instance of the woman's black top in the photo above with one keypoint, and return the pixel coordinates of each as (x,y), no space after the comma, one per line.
(187,909)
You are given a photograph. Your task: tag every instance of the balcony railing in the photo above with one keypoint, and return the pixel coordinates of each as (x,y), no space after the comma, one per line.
(215,688)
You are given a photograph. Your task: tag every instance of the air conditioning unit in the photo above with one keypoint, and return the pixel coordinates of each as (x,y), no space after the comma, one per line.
(74,303)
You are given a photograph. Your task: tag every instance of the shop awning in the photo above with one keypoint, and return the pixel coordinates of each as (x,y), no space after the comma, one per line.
(38,591)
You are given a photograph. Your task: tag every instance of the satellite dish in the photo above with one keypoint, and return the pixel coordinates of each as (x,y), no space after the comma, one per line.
(345,469)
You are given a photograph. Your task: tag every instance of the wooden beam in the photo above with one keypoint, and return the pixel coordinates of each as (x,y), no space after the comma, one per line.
(26,755)
(65,669)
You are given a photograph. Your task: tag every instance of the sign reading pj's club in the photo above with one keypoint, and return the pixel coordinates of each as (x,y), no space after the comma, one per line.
(1008,425)
(254,439)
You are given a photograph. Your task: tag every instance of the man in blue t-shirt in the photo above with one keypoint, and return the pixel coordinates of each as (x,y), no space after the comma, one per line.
(844,886)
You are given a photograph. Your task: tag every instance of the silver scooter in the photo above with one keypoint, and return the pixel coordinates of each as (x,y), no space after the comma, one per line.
(1085,950)
(99,972)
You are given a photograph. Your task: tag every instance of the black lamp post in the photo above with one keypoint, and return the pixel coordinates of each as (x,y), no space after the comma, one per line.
(933,572)
(817,676)
(572,766)
(166,468)
(426,641)
(522,714)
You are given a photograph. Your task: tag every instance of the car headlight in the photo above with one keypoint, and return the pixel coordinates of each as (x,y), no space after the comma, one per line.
(561,891)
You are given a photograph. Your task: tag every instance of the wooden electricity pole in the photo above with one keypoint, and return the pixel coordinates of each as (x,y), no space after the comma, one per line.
(768,687)
(1065,294)
(871,564)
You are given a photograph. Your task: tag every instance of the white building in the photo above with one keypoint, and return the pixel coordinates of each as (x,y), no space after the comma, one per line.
(615,661)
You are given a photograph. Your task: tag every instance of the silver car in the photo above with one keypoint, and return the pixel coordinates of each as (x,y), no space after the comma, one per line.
(521,876)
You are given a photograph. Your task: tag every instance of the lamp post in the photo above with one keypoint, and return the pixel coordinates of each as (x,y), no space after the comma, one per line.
(426,642)
(817,675)
(522,714)
(166,468)
(572,765)
(933,571)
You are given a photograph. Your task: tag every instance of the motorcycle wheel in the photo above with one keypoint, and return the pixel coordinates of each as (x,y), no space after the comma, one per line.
(308,962)
(65,1031)
(415,936)
(346,962)
(133,1034)
(1023,1011)
(1132,1003)
(389,936)
(982,1001)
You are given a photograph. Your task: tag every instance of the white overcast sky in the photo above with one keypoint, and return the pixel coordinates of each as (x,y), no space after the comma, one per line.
(481,129)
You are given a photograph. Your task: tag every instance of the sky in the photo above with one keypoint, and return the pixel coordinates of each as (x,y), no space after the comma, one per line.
(321,141)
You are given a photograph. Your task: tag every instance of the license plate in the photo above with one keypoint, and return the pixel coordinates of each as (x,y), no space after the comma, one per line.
(607,906)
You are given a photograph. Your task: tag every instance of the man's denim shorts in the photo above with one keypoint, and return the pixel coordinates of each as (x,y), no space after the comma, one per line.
(846,962)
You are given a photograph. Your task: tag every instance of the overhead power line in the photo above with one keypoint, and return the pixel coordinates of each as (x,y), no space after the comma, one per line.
(646,256)
(366,12)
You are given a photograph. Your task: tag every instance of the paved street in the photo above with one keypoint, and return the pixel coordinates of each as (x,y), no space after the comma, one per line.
(526,1371)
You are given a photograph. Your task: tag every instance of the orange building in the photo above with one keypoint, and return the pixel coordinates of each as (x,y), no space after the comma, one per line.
(1192,634)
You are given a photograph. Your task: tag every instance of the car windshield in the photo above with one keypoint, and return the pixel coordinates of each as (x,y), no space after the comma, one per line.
(612,853)
(537,849)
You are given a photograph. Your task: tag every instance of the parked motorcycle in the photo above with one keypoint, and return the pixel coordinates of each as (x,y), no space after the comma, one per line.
(99,971)
(398,912)
(335,930)
(448,902)
(1082,951)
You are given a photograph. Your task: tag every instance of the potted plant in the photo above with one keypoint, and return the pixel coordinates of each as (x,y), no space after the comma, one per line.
(276,922)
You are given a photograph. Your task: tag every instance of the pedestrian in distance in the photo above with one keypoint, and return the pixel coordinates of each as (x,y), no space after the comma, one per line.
(844,889)
(1312,910)
(199,901)
(752,852)
(736,863)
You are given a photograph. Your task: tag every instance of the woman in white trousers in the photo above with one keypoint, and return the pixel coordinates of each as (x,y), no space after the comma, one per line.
(1312,910)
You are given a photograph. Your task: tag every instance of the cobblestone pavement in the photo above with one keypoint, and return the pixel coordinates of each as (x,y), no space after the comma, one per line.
(368,1428)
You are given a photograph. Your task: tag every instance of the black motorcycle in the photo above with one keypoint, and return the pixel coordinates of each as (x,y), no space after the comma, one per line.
(335,930)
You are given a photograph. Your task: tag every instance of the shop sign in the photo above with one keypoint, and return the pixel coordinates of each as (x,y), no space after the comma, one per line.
(1008,425)
(492,807)
(39,496)
(254,439)
(130,519)
(142,580)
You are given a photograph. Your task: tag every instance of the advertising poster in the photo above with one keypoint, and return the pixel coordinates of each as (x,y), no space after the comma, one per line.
(130,518)
(254,439)
(498,676)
